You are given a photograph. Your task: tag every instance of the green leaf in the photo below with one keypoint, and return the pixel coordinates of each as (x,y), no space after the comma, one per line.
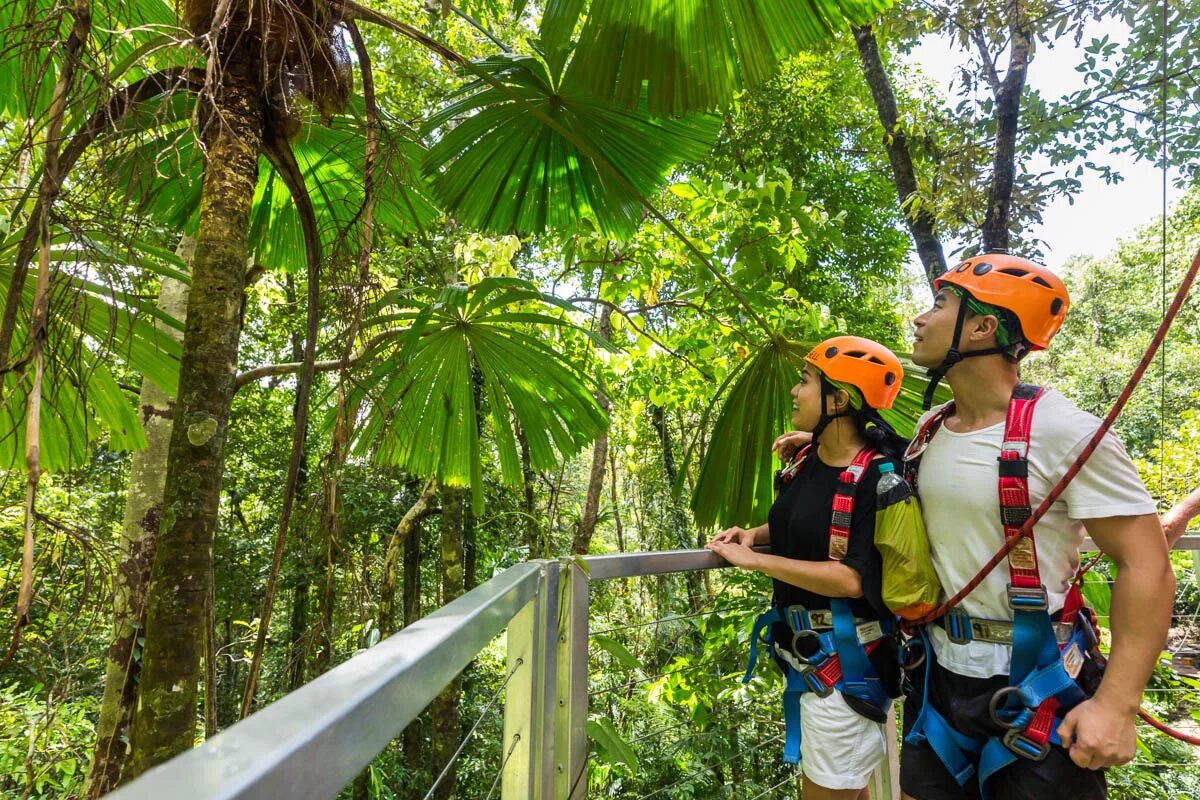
(696,55)
(504,169)
(611,747)
(422,413)
(618,651)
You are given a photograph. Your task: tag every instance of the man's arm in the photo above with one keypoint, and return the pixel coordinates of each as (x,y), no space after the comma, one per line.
(1175,521)
(1099,732)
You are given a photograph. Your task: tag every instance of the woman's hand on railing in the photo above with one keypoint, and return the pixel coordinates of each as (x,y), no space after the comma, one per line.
(734,535)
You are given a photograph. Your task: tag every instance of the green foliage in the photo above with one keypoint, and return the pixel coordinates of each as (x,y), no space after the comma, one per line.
(44,743)
(468,332)
(527,154)
(697,54)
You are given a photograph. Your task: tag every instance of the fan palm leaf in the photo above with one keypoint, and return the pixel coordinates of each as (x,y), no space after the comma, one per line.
(692,55)
(475,357)
(502,168)
(91,325)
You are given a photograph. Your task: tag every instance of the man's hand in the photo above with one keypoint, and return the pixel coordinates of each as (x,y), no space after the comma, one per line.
(1097,735)
(735,535)
(736,553)
(788,444)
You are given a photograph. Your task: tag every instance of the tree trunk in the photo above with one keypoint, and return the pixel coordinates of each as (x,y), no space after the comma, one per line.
(1008,116)
(412,737)
(921,221)
(139,532)
(211,725)
(294,482)
(533,530)
(677,517)
(591,504)
(232,131)
(616,503)
(444,710)
(406,528)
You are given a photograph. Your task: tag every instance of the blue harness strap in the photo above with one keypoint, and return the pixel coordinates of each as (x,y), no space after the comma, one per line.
(827,669)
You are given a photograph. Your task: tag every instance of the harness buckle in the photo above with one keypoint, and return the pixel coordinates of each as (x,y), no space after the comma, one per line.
(1016,741)
(1028,598)
(957,624)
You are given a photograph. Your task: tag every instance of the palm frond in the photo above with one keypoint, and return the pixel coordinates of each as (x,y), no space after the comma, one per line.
(91,325)
(696,55)
(502,169)
(470,359)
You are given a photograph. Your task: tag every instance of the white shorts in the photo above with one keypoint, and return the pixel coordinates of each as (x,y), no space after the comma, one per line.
(839,748)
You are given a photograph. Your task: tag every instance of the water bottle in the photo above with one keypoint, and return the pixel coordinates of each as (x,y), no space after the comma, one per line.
(892,488)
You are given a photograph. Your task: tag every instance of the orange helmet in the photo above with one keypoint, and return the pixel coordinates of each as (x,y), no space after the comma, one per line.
(866,365)
(1033,293)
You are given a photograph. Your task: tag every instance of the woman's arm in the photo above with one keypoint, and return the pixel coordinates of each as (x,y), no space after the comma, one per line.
(828,578)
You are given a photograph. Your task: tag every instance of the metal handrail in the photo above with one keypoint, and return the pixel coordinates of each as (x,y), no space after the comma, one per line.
(315,740)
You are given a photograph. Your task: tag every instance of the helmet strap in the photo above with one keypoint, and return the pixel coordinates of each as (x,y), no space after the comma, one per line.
(954,355)
(827,389)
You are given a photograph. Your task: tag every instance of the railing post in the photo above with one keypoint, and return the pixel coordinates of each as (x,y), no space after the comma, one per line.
(570,746)
(529,700)
(885,781)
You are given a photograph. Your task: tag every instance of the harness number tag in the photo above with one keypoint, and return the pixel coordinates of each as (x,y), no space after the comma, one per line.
(838,545)
(1022,556)
(869,632)
(1072,660)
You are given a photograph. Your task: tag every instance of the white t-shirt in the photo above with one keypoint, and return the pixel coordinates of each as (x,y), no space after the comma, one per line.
(958,488)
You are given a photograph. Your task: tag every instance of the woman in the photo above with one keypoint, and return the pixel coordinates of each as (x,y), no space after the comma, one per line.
(827,573)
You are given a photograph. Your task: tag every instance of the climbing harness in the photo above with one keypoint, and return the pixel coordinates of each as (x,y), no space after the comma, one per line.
(1045,668)
(1048,657)
(828,649)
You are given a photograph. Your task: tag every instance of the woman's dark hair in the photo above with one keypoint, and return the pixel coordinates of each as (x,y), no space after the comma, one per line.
(880,435)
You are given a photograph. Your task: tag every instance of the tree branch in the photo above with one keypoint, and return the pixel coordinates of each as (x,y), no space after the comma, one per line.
(921,221)
(989,62)
(1008,118)
(352,10)
(272,370)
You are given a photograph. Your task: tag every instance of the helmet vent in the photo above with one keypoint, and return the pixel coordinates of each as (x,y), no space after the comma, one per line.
(889,379)
(1020,273)
(1042,282)
(830,352)
(1056,306)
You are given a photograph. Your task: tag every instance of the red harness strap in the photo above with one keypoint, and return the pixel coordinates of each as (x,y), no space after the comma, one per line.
(843,496)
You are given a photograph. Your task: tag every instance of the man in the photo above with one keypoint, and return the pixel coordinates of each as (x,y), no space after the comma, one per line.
(988,313)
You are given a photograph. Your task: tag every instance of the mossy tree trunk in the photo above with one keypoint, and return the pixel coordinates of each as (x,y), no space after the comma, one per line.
(139,532)
(444,710)
(232,131)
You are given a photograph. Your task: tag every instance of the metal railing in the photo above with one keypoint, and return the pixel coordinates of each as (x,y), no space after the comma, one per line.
(316,740)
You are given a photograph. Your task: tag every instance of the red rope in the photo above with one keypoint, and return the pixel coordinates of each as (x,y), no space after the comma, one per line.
(1060,487)
(1168,730)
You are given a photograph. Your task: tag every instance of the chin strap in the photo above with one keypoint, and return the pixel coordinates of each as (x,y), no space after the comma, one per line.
(953,356)
(827,389)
